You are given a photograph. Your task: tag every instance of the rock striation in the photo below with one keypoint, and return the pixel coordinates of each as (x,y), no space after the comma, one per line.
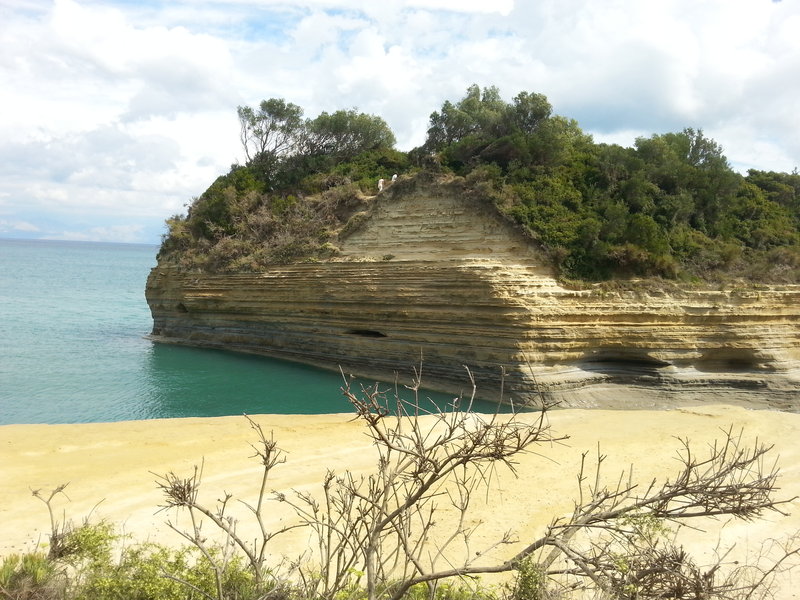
(430,274)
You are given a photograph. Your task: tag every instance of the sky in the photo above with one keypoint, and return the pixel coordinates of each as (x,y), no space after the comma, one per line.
(114,115)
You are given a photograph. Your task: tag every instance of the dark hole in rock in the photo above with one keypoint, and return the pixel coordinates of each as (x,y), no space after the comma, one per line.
(728,360)
(182,307)
(608,360)
(367,333)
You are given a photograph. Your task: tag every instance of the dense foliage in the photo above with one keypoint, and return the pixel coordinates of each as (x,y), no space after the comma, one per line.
(670,206)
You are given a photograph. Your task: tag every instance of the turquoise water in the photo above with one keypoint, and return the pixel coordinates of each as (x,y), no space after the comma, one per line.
(73,321)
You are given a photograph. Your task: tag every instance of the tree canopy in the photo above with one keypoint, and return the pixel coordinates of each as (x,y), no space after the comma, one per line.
(274,128)
(346,133)
(276,139)
(669,206)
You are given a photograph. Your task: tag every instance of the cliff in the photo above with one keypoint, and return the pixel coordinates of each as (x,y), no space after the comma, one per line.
(429,273)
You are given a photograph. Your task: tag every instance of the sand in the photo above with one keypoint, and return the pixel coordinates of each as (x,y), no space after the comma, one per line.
(111,470)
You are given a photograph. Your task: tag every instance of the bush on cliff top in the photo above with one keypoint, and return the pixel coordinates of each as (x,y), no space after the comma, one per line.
(670,206)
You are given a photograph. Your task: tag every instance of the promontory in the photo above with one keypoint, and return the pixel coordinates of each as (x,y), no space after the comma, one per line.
(513,252)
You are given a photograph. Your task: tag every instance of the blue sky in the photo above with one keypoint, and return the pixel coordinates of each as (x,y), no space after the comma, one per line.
(115,114)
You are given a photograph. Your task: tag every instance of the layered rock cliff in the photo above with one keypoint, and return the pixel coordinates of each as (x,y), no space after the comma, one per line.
(428,273)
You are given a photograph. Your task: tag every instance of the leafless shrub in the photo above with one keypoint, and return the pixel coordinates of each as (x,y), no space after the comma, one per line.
(59,530)
(615,540)
(182,492)
(384,526)
(64,539)
(408,522)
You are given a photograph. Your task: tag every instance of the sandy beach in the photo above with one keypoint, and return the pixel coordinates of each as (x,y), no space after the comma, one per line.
(111,467)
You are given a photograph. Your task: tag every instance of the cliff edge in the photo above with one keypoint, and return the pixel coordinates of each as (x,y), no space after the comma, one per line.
(427,273)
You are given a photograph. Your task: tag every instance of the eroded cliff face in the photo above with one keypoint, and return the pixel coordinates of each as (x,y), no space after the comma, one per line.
(433,275)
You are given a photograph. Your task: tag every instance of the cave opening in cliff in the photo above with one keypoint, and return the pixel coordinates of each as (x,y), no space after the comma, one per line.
(734,360)
(370,333)
(614,360)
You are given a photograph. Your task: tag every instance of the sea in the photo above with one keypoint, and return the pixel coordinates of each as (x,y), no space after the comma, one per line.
(74,348)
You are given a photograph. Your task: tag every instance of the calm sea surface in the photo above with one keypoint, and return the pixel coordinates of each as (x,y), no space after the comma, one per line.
(73,321)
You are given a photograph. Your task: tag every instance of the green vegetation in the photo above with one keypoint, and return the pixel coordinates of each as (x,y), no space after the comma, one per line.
(141,572)
(670,206)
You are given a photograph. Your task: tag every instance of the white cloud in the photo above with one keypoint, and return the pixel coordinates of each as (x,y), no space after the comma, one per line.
(124,234)
(502,7)
(17,226)
(125,111)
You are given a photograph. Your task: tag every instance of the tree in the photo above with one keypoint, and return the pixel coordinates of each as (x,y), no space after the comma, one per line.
(782,188)
(529,110)
(271,131)
(478,113)
(346,133)
(690,162)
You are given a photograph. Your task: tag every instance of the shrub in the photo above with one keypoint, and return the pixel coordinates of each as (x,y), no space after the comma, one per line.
(152,572)
(530,581)
(31,576)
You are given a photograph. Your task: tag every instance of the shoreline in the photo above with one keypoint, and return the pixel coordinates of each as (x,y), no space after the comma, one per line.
(110,468)
(579,388)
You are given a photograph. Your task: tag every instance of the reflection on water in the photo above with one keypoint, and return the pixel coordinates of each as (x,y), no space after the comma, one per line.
(183,382)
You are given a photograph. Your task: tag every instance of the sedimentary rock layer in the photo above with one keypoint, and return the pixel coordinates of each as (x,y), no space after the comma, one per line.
(435,276)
